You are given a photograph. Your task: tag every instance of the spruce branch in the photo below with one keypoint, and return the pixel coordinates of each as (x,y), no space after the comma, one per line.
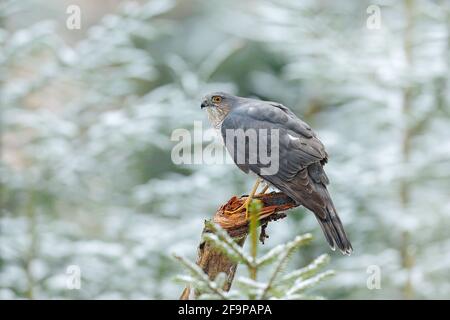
(283,257)
(198,274)
(221,236)
(223,246)
(300,286)
(255,209)
(307,271)
(274,253)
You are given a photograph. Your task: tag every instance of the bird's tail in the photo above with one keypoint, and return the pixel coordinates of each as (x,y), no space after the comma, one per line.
(333,229)
(308,188)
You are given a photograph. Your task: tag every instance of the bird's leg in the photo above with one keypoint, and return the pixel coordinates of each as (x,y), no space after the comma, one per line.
(263,191)
(250,196)
(247,201)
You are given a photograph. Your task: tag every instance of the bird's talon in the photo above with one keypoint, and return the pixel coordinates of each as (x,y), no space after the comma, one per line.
(230,213)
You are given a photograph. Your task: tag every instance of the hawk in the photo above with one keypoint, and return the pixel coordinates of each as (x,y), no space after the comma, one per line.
(300,155)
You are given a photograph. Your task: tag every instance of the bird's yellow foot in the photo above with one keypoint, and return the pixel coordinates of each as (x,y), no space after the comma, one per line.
(264,190)
(247,202)
(243,206)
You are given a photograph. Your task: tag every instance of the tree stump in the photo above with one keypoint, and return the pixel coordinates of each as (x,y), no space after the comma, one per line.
(213,261)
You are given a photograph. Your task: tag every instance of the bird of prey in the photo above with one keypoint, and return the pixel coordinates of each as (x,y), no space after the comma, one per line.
(300,155)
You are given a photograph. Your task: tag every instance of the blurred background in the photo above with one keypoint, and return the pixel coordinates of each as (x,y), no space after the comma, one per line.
(87,115)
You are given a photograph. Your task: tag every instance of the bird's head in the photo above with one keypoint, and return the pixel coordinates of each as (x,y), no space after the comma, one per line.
(218,105)
(219,100)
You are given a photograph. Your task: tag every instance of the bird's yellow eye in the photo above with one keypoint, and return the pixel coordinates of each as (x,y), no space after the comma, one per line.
(216,99)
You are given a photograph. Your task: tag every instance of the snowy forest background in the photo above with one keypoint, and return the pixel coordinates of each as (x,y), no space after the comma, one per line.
(87,116)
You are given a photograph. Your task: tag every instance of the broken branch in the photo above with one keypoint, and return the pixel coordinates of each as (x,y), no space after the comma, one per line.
(213,261)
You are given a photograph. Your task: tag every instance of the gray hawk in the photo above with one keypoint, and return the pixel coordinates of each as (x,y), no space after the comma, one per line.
(300,155)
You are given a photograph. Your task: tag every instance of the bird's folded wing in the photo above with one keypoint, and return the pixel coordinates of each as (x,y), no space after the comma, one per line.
(298,145)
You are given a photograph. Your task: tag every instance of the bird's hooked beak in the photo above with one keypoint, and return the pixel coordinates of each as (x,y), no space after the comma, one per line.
(204,104)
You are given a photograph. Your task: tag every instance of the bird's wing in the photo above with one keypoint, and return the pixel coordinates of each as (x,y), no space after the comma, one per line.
(298,144)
